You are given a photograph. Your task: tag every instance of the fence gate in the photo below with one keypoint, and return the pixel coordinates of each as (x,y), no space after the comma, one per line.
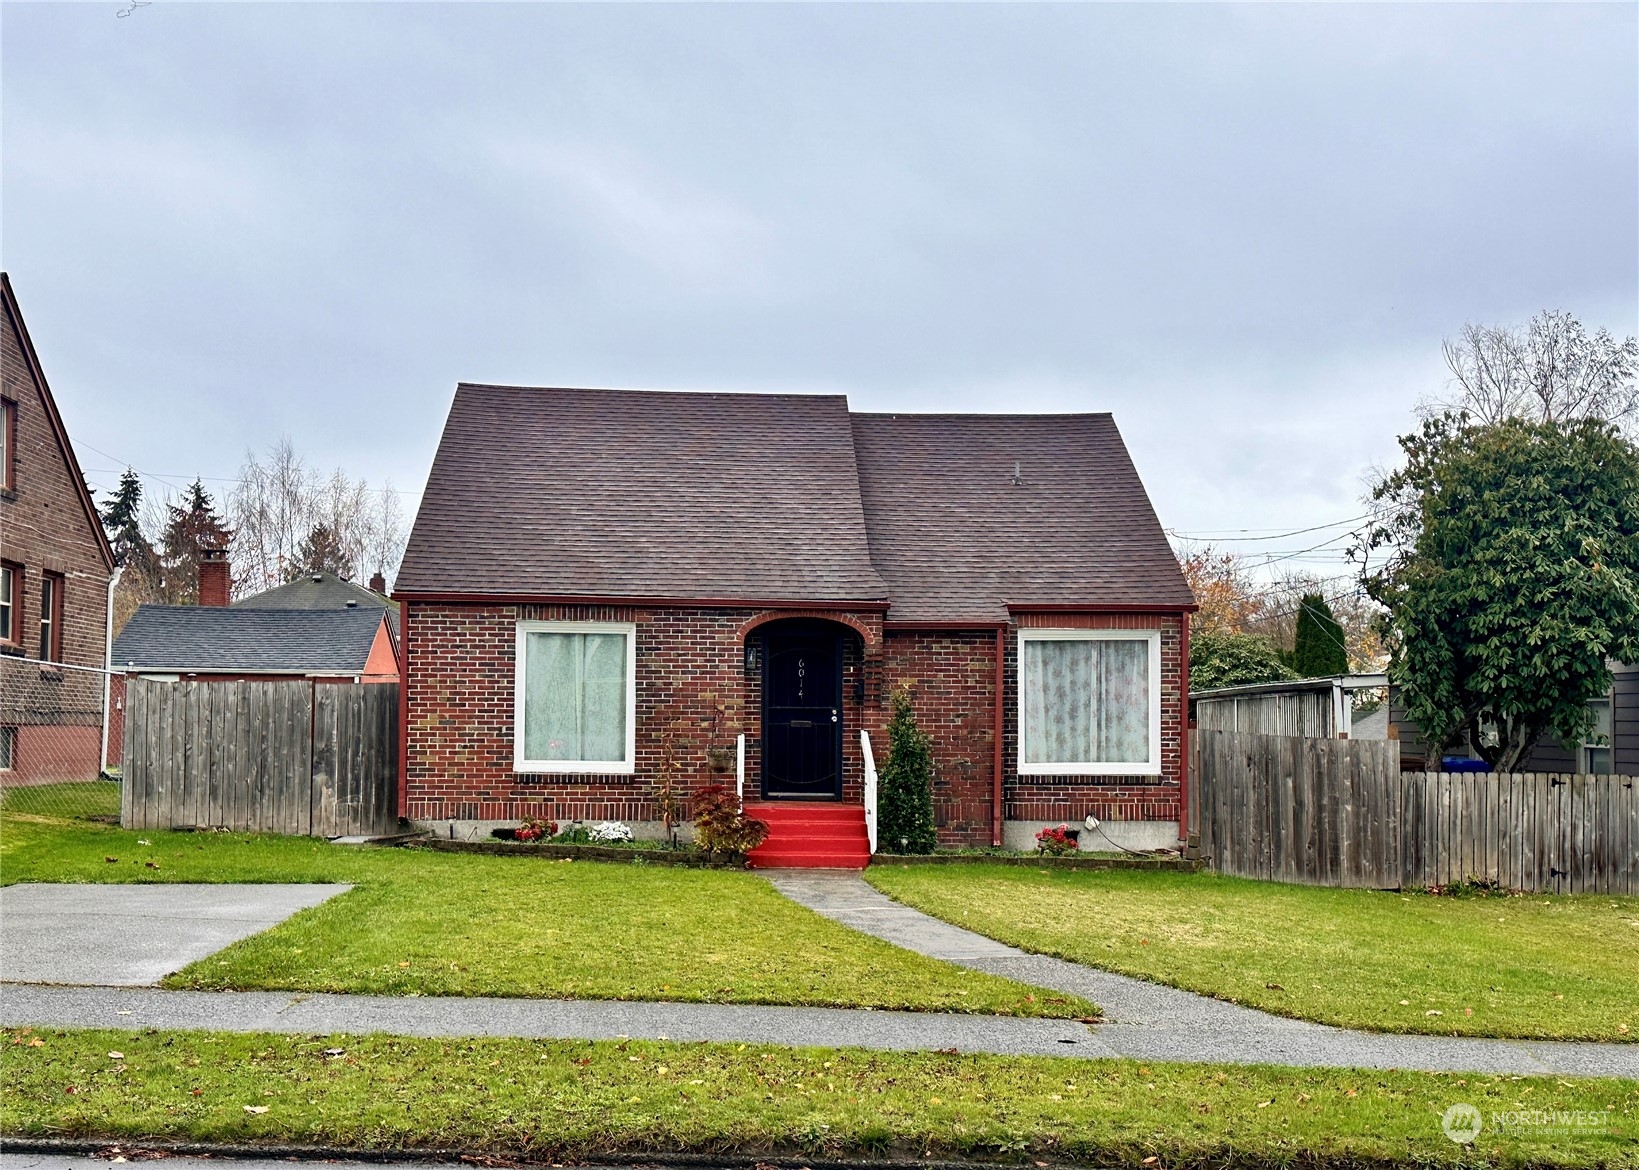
(295,757)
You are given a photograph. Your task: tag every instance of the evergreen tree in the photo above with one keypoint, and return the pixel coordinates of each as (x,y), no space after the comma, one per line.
(191,526)
(322,551)
(1318,650)
(905,804)
(122,520)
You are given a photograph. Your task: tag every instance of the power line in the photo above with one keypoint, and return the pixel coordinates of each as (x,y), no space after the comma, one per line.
(1272,535)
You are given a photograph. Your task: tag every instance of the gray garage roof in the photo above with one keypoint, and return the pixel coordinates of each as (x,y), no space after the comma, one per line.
(247,641)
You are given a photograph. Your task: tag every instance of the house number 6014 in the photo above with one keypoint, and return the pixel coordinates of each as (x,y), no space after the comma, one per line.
(802,672)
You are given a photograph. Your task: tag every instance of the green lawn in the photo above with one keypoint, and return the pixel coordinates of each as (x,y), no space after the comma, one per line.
(1564,968)
(571,1099)
(424,923)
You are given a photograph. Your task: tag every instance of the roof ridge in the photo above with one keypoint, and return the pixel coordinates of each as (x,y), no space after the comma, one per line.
(649,392)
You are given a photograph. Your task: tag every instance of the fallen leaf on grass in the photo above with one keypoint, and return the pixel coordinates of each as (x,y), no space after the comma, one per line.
(151,864)
(1433,1012)
(110,859)
(116,1056)
(36,1043)
(1274,987)
(255,1108)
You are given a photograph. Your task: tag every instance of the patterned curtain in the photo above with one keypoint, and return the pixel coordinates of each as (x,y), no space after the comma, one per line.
(575,697)
(1086,701)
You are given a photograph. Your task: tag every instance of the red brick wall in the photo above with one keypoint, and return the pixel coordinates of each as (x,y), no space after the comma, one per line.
(1070,798)
(952,677)
(44,527)
(695,690)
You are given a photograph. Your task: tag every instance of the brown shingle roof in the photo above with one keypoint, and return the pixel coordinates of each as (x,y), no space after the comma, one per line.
(622,493)
(766,497)
(957,539)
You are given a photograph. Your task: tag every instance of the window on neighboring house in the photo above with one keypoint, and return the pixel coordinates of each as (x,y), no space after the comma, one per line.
(1089,702)
(576,697)
(11,604)
(8,444)
(8,749)
(1596,749)
(51,617)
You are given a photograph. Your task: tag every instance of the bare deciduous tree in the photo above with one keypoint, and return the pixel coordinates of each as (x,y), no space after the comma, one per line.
(279,502)
(1548,371)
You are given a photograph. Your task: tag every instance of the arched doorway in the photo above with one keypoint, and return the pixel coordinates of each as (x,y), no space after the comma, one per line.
(802,712)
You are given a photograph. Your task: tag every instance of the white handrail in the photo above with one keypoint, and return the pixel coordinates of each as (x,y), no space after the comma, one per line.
(740,770)
(870,788)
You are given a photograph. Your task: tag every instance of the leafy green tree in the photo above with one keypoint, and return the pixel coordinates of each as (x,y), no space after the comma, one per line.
(191,526)
(904,815)
(1318,649)
(1511,577)
(322,551)
(1233,660)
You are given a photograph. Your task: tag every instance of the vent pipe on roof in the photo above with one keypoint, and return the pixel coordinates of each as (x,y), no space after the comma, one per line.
(316,578)
(1018,474)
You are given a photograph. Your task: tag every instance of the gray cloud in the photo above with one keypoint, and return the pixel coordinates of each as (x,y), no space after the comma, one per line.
(1244,230)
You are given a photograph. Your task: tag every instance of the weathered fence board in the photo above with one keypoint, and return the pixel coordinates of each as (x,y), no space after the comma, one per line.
(293,757)
(1341,813)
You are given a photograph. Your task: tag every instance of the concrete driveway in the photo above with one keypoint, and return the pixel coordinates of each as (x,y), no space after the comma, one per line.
(131,936)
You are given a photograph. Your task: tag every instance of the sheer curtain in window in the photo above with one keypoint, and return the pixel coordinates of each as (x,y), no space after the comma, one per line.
(1086,701)
(575,697)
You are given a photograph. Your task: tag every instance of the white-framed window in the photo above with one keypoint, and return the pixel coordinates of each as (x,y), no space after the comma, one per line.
(1596,749)
(575,706)
(1089,702)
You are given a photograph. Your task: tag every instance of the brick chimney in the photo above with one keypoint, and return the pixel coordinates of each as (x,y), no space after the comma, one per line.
(378,583)
(213,576)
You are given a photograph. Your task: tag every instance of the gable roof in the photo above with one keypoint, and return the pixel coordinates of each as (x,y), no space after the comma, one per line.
(956,538)
(617,493)
(31,359)
(758,498)
(321,590)
(200,638)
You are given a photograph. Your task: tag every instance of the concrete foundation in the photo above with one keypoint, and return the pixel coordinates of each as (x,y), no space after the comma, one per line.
(1107,838)
(480,830)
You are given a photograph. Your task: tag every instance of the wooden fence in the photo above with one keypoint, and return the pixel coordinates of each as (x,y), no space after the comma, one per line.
(293,757)
(1341,813)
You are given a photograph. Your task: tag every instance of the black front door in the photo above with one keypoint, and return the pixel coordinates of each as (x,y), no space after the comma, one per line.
(802,715)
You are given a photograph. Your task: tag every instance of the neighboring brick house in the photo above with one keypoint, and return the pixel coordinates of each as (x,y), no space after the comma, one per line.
(55,569)
(604,588)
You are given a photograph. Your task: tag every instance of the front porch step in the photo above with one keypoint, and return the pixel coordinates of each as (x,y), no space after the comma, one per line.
(810,836)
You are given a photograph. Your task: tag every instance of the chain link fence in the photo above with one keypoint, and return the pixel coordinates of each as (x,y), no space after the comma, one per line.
(52,741)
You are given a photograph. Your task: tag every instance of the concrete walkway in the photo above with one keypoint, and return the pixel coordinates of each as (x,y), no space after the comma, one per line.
(116,935)
(1148,1022)
(1153,1022)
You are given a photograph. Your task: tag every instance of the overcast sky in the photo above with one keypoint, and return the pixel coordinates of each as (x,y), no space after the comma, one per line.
(1244,230)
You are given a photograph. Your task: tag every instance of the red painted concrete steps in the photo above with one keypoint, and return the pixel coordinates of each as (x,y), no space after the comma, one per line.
(811,836)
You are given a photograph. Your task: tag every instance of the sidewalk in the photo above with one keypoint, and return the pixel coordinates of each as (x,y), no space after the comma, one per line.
(1145,1021)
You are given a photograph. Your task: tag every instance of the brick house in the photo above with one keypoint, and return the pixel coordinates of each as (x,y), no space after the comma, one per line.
(55,573)
(603,589)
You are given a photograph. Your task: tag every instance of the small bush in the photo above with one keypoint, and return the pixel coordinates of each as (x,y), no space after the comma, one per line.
(609,832)
(1057,841)
(905,800)
(721,827)
(535,829)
